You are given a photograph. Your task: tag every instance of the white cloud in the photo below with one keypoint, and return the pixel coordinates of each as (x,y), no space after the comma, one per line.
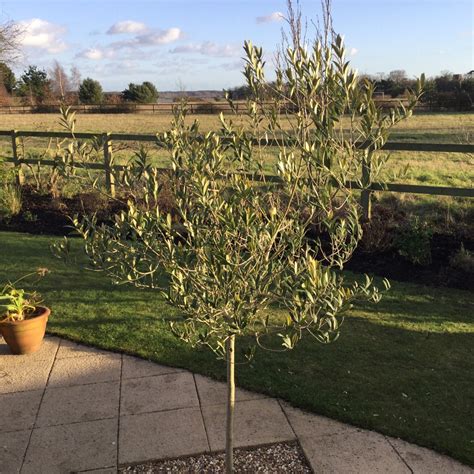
(159,37)
(272,18)
(95,54)
(353,51)
(153,38)
(42,34)
(127,26)
(131,47)
(208,48)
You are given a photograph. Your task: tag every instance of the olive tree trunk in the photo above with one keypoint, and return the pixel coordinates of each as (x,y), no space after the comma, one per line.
(229,439)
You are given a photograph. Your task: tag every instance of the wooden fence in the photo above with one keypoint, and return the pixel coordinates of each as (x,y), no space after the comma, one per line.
(165,108)
(125,108)
(368,187)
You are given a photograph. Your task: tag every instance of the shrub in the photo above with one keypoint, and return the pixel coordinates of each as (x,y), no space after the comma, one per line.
(463,260)
(379,232)
(414,242)
(10,193)
(10,200)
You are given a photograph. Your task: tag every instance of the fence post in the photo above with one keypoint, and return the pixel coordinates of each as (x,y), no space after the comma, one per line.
(20,178)
(366,194)
(108,159)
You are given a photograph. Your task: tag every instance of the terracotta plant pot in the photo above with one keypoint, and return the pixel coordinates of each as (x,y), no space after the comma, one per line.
(25,337)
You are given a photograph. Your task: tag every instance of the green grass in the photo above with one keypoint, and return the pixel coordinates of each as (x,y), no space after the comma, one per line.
(404,367)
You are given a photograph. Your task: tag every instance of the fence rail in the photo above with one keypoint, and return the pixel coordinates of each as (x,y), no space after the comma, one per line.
(194,107)
(109,167)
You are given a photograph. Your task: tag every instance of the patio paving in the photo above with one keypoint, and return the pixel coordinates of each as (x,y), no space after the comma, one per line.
(72,408)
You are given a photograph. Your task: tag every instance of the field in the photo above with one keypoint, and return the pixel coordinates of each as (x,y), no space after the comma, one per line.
(435,127)
(442,169)
(403,367)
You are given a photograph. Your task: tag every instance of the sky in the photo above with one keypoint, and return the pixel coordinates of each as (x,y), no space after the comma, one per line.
(193,44)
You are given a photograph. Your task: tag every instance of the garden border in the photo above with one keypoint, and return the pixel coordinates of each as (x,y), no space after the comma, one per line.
(366,185)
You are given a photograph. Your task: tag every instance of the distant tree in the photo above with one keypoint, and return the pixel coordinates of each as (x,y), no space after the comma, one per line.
(240,92)
(10,35)
(113,98)
(430,94)
(34,85)
(445,82)
(75,78)
(144,93)
(244,92)
(7,78)
(59,81)
(467,86)
(397,75)
(90,92)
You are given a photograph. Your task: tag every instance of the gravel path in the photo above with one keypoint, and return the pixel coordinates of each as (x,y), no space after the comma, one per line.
(277,458)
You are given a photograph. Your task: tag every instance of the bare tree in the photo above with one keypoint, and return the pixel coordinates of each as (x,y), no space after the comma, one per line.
(10,42)
(74,78)
(59,80)
(398,75)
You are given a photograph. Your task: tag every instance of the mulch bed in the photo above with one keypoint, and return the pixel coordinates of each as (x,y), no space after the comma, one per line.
(277,458)
(43,214)
(390,264)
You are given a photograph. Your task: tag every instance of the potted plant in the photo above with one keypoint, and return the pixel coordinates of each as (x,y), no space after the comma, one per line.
(22,318)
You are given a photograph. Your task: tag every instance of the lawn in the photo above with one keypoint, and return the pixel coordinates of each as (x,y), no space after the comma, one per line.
(404,367)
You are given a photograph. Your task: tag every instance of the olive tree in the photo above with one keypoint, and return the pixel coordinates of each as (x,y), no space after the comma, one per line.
(238,243)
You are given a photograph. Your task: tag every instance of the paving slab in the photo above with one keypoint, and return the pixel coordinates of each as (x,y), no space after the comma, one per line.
(425,461)
(161,435)
(84,370)
(73,349)
(134,367)
(71,448)
(158,393)
(22,374)
(18,410)
(256,422)
(352,451)
(47,351)
(215,393)
(63,405)
(165,413)
(309,424)
(12,450)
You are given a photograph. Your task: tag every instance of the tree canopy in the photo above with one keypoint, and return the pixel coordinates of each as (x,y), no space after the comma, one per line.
(34,85)
(90,92)
(144,93)
(7,78)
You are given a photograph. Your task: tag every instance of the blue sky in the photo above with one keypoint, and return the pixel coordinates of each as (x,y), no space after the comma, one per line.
(198,44)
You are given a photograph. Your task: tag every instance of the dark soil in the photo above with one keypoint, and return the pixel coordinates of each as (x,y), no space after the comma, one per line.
(390,264)
(377,254)
(45,214)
